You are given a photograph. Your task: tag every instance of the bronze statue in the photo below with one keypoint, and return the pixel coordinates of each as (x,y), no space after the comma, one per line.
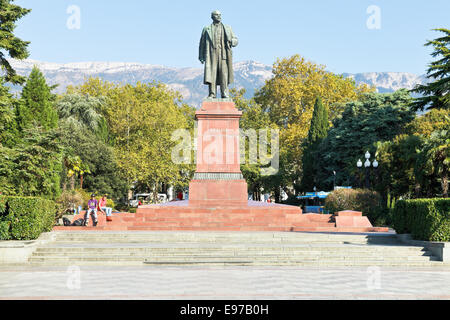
(215,52)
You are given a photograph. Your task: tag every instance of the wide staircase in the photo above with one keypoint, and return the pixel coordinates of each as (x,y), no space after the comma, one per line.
(182,218)
(229,248)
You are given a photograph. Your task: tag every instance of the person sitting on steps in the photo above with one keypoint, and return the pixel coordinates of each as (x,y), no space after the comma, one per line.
(104,209)
(92,209)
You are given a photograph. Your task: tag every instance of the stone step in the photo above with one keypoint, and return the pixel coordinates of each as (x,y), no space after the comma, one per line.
(227,247)
(223,257)
(230,261)
(253,256)
(88,237)
(289,228)
(396,250)
(223,241)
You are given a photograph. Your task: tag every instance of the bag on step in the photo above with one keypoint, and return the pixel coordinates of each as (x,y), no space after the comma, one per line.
(66,222)
(78,223)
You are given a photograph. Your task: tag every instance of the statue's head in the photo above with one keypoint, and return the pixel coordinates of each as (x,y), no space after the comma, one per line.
(216,16)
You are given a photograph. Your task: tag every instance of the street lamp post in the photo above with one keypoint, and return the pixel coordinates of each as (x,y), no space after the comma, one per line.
(359,164)
(367,166)
(334,180)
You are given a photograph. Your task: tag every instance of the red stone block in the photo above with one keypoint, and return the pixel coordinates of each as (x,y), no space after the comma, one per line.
(349,213)
(352,221)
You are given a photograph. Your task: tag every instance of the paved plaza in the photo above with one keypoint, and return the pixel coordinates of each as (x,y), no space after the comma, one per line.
(224,283)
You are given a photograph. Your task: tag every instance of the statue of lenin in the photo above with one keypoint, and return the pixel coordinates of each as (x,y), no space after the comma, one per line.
(215,52)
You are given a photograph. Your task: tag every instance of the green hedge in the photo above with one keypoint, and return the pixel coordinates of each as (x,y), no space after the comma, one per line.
(424,219)
(25,218)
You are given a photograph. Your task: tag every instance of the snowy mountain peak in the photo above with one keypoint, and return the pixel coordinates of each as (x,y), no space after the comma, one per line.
(250,75)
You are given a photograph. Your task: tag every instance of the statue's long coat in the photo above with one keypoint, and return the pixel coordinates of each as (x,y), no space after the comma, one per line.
(205,54)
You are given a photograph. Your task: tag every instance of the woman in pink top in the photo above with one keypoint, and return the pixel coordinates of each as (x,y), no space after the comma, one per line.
(104,208)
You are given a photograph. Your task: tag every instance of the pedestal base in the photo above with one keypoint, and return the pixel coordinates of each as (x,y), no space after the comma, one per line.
(253,216)
(215,193)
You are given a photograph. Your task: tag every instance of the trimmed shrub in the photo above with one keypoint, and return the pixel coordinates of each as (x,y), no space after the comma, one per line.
(25,218)
(352,199)
(67,201)
(425,219)
(366,201)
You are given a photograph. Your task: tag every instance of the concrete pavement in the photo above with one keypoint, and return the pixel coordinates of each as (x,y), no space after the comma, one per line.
(223,283)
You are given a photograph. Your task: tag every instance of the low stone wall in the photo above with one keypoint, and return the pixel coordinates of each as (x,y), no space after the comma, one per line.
(439,249)
(18,252)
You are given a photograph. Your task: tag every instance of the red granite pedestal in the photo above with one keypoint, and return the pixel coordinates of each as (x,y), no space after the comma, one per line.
(218,180)
(218,192)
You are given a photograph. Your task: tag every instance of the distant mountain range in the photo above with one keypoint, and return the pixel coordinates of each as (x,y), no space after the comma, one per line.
(250,75)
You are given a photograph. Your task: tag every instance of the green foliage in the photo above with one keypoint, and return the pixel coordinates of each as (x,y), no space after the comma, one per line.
(32,167)
(289,98)
(25,218)
(424,125)
(366,201)
(37,104)
(319,123)
(9,43)
(67,201)
(81,112)
(436,94)
(433,163)
(397,162)
(141,120)
(415,164)
(97,162)
(37,164)
(253,118)
(6,171)
(377,117)
(317,132)
(425,219)
(8,126)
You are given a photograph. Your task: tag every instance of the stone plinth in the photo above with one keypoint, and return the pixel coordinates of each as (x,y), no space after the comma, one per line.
(218,179)
(352,219)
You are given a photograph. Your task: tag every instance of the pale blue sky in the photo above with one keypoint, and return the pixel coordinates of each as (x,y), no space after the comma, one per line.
(329,32)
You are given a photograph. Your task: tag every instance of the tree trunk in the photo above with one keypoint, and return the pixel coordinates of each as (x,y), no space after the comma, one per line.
(444,183)
(81,181)
(277,195)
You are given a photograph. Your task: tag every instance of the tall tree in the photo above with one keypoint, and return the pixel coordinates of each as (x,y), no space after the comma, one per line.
(377,117)
(142,119)
(89,161)
(38,103)
(37,164)
(317,132)
(254,119)
(9,43)
(436,93)
(289,98)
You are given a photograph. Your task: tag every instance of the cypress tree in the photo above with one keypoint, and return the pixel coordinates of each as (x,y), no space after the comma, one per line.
(37,103)
(317,132)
